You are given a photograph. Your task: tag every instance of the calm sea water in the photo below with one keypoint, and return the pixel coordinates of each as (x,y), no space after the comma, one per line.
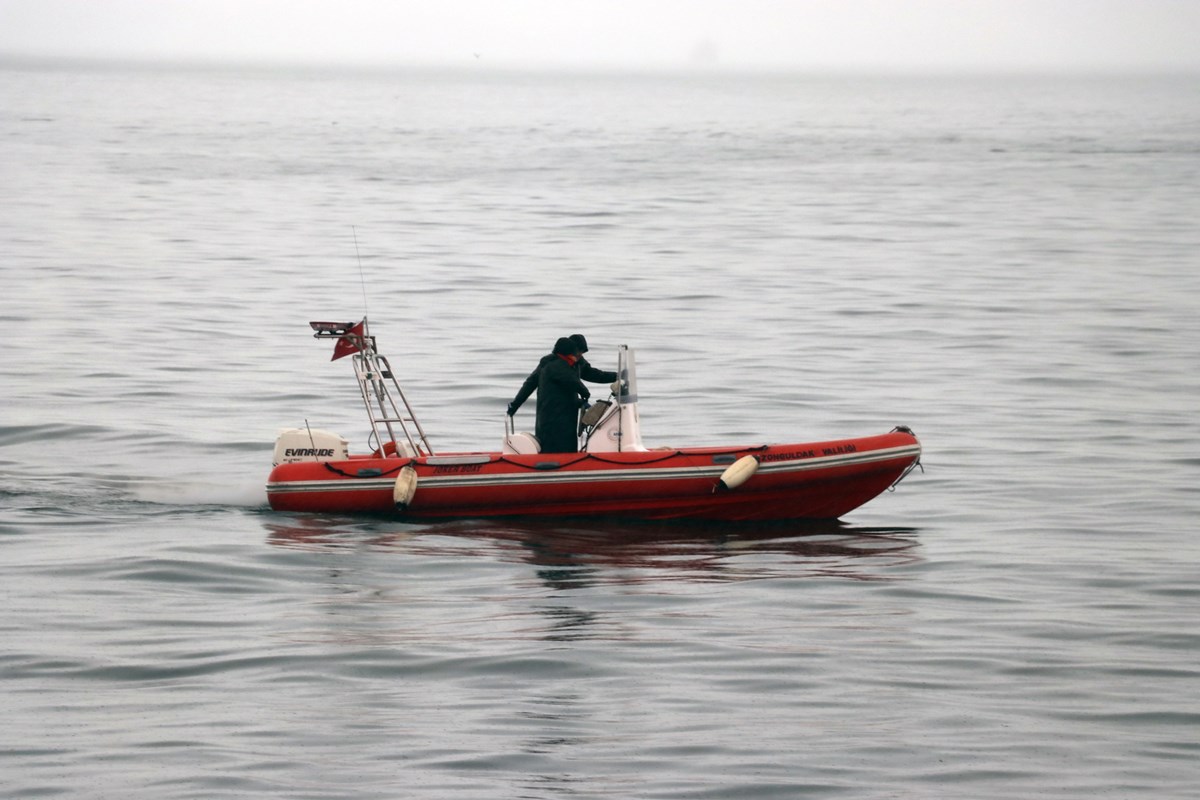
(1009,266)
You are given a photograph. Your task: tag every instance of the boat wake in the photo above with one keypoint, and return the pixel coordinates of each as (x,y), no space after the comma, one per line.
(249,494)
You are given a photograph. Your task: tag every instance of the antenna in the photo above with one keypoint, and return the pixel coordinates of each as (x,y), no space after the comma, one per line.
(361,276)
(311,440)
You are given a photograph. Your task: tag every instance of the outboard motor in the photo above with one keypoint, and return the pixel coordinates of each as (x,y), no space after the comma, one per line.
(310,444)
(618,428)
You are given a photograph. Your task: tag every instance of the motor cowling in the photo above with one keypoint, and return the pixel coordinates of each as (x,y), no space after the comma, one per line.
(294,445)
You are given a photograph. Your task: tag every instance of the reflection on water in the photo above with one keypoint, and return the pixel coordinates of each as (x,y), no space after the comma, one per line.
(565,582)
(574,554)
(567,623)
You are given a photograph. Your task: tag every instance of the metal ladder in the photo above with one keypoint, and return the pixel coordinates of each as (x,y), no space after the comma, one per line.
(380,389)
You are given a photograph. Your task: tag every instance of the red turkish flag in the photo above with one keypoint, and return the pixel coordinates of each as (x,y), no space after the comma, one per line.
(352,342)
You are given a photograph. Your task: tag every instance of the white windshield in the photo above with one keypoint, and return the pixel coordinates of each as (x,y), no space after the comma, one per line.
(627,375)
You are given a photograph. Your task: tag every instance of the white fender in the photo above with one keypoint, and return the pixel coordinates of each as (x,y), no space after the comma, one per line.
(738,472)
(406,487)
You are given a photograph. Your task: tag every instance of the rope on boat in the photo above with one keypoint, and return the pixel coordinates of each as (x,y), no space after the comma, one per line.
(904,474)
(912,466)
(549,464)
(544,465)
(666,454)
(375,474)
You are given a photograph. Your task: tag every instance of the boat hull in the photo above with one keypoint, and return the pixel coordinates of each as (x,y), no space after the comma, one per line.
(817,480)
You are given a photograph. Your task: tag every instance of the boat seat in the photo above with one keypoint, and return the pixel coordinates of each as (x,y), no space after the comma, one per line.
(522,443)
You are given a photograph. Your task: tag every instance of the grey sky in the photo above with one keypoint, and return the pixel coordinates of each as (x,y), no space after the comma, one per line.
(753,34)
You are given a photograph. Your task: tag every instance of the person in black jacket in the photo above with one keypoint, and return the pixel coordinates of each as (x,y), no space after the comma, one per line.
(560,395)
(585,370)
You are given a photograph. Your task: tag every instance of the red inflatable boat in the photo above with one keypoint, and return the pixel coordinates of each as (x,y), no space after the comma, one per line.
(613,474)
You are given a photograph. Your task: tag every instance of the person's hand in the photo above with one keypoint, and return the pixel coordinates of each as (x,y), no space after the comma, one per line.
(512,409)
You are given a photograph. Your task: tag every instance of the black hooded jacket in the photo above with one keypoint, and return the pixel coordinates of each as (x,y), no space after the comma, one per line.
(582,368)
(560,394)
